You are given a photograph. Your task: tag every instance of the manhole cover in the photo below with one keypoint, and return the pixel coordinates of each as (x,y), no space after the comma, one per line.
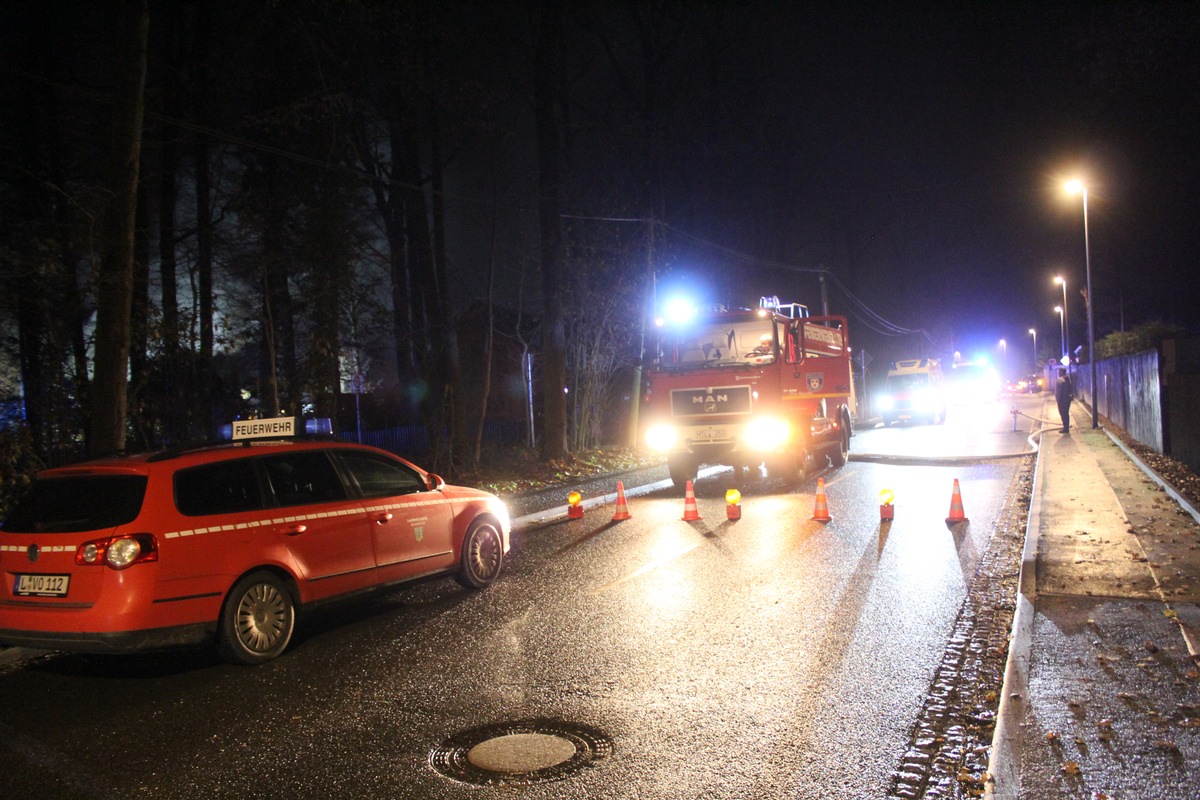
(521,753)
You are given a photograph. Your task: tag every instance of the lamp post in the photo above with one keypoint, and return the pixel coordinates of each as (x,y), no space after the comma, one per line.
(1004,352)
(1078,187)
(1062,328)
(1059,279)
(1033,333)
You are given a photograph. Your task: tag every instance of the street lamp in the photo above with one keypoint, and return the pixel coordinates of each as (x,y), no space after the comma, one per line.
(1078,187)
(1033,333)
(1004,352)
(1059,279)
(1062,328)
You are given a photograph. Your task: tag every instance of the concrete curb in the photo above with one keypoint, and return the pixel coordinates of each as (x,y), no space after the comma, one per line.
(550,515)
(1004,761)
(1189,635)
(1146,468)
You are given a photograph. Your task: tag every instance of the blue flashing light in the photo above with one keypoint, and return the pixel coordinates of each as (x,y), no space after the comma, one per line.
(680,310)
(322,426)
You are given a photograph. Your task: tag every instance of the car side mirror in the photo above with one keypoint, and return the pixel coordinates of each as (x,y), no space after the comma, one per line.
(436,482)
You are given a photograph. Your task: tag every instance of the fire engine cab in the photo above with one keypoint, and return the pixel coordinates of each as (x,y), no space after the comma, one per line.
(744,387)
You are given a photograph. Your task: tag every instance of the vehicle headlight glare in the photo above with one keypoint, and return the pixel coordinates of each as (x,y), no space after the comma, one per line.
(661,437)
(766,433)
(887,402)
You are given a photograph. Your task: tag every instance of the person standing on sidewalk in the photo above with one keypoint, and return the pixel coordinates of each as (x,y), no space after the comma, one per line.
(1064,392)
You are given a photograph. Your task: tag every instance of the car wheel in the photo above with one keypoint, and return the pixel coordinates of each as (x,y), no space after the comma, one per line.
(482,555)
(257,620)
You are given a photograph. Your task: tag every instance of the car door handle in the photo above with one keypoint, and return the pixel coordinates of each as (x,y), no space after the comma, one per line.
(293,530)
(386,516)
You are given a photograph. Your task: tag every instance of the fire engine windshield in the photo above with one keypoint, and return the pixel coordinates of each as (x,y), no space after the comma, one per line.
(750,342)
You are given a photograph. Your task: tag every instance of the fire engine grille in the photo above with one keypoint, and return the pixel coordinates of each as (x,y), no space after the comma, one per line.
(710,401)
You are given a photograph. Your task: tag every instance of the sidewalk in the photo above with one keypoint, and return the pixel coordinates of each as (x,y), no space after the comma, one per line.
(1102,693)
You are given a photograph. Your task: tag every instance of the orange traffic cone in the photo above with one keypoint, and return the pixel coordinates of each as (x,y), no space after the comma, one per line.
(690,512)
(821,511)
(622,511)
(956,506)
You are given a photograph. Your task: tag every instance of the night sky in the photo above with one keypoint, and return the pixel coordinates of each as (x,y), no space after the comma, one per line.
(948,129)
(914,151)
(918,153)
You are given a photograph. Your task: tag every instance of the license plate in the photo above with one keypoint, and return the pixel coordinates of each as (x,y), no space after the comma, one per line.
(41,585)
(710,433)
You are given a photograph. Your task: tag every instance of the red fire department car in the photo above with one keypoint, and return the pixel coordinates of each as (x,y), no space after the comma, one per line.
(226,543)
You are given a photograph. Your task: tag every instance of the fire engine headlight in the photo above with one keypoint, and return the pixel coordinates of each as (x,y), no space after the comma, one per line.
(766,433)
(886,402)
(661,437)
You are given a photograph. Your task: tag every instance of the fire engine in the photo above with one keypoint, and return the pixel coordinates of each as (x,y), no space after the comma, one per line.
(745,387)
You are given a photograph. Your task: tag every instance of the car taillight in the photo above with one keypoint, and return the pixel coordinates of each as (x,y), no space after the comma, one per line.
(118,552)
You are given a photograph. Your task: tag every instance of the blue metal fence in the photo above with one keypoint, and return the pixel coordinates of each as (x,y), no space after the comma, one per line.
(1152,396)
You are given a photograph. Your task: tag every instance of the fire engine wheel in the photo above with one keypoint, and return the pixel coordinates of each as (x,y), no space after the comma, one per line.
(789,466)
(257,620)
(837,456)
(681,472)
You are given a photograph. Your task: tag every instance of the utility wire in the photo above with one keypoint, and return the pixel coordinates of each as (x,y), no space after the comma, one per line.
(868,317)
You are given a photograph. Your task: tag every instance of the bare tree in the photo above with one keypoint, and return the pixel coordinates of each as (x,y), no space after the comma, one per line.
(115,290)
(547,100)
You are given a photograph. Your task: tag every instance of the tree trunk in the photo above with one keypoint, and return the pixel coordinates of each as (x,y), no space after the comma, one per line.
(391,204)
(139,327)
(174,428)
(554,369)
(202,380)
(485,389)
(114,293)
(426,302)
(280,369)
(455,403)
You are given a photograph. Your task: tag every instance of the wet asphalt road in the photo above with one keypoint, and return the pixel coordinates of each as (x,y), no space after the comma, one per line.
(769,657)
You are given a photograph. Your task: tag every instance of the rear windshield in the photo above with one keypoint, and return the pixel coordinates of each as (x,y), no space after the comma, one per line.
(77,503)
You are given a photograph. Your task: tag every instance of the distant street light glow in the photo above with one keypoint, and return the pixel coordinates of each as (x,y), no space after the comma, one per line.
(1062,328)
(1059,279)
(1077,186)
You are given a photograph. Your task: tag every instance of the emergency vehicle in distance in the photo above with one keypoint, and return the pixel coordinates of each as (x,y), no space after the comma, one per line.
(915,391)
(743,387)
